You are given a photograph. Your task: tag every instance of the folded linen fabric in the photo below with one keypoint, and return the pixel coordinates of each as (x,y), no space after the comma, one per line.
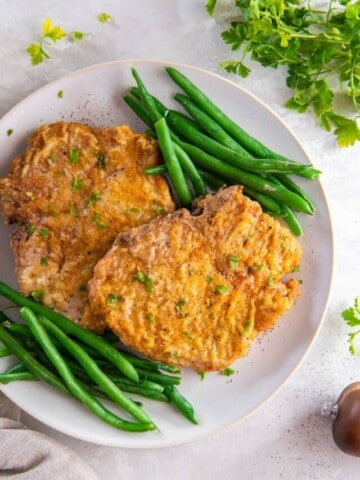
(29,455)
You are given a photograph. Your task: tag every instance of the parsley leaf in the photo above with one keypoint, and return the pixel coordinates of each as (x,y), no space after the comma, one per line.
(351,316)
(104,17)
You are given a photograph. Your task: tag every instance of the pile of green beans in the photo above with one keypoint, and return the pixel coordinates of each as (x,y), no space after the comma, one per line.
(51,348)
(207,150)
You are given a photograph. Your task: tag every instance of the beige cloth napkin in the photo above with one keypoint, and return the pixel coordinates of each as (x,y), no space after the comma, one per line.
(30,455)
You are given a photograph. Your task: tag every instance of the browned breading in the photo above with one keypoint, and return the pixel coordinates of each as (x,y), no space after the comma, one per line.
(194,289)
(71,193)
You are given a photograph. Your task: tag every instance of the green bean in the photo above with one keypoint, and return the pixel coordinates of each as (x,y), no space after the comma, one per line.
(72,384)
(91,368)
(147,364)
(267,203)
(183,405)
(14,377)
(172,162)
(210,126)
(290,185)
(160,106)
(4,352)
(212,180)
(247,141)
(91,339)
(292,222)
(197,138)
(232,174)
(146,98)
(139,109)
(35,367)
(158,377)
(19,367)
(191,171)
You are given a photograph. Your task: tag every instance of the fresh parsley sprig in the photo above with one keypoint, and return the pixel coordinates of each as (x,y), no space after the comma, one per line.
(49,33)
(352,317)
(319,47)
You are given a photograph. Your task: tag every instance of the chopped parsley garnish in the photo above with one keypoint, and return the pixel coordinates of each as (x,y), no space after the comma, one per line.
(147,280)
(44,261)
(60,93)
(130,211)
(77,36)
(101,161)
(112,300)
(31,229)
(51,210)
(300,281)
(187,334)
(202,375)
(227,372)
(260,267)
(104,17)
(44,232)
(233,261)
(98,222)
(73,210)
(150,317)
(37,294)
(94,197)
(77,184)
(180,304)
(74,155)
(221,289)
(271,281)
(160,210)
(53,158)
(209,278)
(9,132)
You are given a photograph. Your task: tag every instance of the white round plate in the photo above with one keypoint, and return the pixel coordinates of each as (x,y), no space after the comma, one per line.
(94,96)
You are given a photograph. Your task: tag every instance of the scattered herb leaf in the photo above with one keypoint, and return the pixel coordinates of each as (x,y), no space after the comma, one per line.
(9,132)
(37,294)
(49,31)
(77,184)
(104,17)
(221,289)
(60,93)
(351,316)
(233,261)
(147,280)
(227,372)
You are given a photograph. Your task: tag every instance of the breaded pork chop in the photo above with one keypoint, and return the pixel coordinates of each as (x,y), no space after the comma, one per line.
(71,193)
(194,289)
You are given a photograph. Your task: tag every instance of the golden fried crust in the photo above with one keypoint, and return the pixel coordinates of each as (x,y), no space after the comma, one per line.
(195,289)
(72,192)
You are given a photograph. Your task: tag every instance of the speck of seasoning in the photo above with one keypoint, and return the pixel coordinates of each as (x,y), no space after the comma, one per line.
(44,261)
(270,281)
(112,300)
(74,156)
(248,326)
(209,278)
(180,304)
(94,197)
(77,184)
(31,229)
(227,372)
(150,317)
(221,289)
(60,93)
(300,281)
(202,375)
(44,232)
(260,267)
(233,261)
(98,222)
(175,355)
(9,132)
(37,294)
(101,161)
(147,280)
